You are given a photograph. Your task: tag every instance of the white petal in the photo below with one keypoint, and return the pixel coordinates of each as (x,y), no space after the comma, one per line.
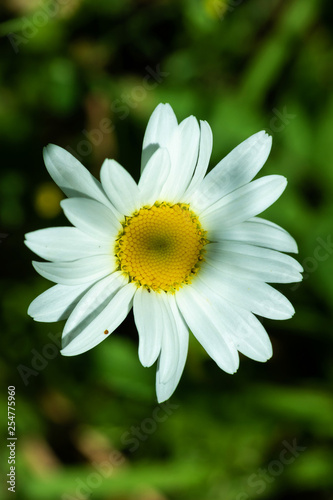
(120,187)
(202,317)
(64,243)
(243,203)
(77,271)
(235,170)
(57,302)
(183,150)
(252,341)
(255,296)
(169,357)
(154,177)
(92,304)
(205,151)
(160,128)
(248,261)
(147,316)
(71,176)
(260,232)
(91,217)
(93,333)
(165,389)
(241,328)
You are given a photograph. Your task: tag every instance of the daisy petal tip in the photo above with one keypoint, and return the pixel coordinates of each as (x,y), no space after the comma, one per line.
(145,361)
(269,355)
(164,105)
(263,359)
(28,236)
(30,312)
(265,141)
(263,137)
(35,265)
(162,393)
(290,312)
(66,352)
(267,136)
(50,150)
(191,120)
(232,368)
(67,203)
(295,250)
(282,179)
(265,353)
(27,242)
(63,204)
(69,350)
(163,110)
(108,164)
(46,149)
(161,399)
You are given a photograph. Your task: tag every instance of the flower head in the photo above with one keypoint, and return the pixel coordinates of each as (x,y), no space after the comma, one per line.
(186,250)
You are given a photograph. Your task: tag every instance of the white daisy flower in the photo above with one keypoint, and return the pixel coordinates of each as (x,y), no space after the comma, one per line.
(185,250)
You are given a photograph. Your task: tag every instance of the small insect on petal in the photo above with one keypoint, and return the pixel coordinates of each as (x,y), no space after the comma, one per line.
(106,332)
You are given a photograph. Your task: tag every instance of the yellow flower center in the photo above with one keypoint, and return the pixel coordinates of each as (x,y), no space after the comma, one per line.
(161,247)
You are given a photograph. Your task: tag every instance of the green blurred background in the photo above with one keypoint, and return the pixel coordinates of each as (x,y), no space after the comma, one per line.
(86,75)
